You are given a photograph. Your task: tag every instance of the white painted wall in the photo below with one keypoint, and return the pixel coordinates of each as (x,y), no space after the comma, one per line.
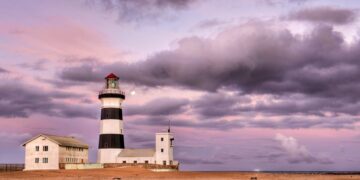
(108,155)
(167,154)
(111,126)
(52,154)
(55,154)
(151,160)
(111,102)
(74,153)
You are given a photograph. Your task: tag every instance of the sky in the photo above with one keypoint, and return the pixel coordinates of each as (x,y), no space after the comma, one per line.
(264,85)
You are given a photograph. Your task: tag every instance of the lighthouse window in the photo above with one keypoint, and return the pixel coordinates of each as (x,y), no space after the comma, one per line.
(45,148)
(162,139)
(162,150)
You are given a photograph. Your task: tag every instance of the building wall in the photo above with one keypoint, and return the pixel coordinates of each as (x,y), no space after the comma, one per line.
(73,155)
(164,149)
(52,154)
(151,160)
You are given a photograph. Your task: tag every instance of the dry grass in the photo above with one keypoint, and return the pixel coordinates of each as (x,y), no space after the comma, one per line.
(140,173)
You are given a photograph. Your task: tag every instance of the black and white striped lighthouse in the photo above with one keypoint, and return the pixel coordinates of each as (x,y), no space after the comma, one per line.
(111,140)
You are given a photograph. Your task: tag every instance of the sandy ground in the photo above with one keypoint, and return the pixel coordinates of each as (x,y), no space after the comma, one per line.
(139,173)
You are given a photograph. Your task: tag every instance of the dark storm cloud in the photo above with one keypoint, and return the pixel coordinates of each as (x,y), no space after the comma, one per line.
(22,100)
(158,106)
(325,15)
(2,70)
(270,62)
(215,105)
(313,74)
(306,122)
(37,65)
(82,73)
(209,23)
(209,124)
(138,10)
(283,122)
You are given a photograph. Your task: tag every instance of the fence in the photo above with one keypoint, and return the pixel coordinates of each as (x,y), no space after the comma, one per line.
(11,167)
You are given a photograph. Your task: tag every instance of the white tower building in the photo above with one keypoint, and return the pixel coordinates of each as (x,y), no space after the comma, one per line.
(164,148)
(111,140)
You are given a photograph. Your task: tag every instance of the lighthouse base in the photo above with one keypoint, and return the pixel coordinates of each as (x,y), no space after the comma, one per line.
(108,155)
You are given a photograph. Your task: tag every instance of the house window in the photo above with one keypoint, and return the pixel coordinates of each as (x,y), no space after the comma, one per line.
(135,162)
(45,160)
(36,160)
(45,148)
(164,162)
(162,150)
(146,162)
(37,148)
(124,162)
(162,139)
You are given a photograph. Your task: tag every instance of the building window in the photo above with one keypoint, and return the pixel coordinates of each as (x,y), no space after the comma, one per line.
(146,162)
(135,162)
(36,160)
(162,139)
(37,148)
(124,162)
(45,148)
(164,162)
(162,150)
(45,160)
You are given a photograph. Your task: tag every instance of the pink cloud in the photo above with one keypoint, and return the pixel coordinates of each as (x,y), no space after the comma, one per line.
(57,38)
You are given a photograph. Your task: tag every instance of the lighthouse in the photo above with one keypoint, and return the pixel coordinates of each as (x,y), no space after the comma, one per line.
(111,140)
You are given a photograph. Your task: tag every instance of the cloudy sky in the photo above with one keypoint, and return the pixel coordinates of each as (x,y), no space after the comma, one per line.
(247,84)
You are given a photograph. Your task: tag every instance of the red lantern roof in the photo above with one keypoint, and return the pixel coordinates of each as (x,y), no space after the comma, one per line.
(111,76)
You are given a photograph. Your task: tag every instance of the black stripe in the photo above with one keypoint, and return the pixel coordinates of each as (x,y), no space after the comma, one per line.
(111,141)
(111,113)
(109,95)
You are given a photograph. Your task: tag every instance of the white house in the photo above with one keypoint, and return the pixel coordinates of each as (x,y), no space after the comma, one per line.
(49,151)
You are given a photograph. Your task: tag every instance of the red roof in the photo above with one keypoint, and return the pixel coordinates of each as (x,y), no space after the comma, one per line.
(111,76)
